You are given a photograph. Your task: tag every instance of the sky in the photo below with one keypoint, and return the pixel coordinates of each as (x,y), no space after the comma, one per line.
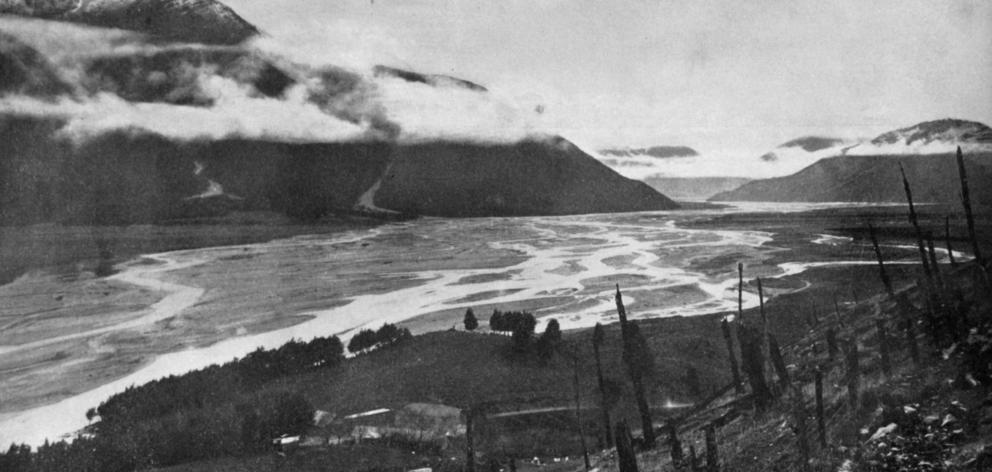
(725,77)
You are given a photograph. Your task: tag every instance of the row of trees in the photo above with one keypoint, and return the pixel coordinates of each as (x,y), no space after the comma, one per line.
(217,383)
(388,334)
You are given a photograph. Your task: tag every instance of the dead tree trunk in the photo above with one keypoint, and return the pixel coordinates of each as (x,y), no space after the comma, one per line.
(883,346)
(840,320)
(578,410)
(821,421)
(740,292)
(916,226)
(966,202)
(734,370)
(712,455)
(675,446)
(853,373)
(778,362)
(636,374)
(469,444)
(597,340)
(800,427)
(947,240)
(914,350)
(693,459)
(886,281)
(765,347)
(831,343)
(753,364)
(625,450)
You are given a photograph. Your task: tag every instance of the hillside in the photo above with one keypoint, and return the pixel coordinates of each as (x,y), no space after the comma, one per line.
(873,179)
(198,21)
(147,130)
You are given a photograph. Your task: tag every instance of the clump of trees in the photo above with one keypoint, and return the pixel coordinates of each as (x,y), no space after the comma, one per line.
(387,335)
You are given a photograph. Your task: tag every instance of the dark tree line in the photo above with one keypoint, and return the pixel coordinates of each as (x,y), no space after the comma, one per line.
(388,334)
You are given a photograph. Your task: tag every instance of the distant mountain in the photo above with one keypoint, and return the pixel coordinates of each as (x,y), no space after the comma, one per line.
(142,130)
(694,188)
(198,21)
(661,152)
(930,137)
(925,150)
(802,147)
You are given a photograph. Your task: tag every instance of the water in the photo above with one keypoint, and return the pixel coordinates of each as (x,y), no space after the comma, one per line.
(567,265)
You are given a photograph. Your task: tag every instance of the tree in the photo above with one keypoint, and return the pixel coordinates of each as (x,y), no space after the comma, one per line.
(549,340)
(364,339)
(523,331)
(637,356)
(598,336)
(470,322)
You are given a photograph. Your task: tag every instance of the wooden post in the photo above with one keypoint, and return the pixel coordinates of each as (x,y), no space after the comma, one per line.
(966,202)
(883,346)
(734,370)
(625,450)
(853,373)
(712,456)
(821,421)
(947,240)
(578,409)
(916,226)
(778,362)
(886,281)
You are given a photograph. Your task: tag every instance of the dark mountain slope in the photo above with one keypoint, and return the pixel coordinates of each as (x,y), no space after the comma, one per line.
(199,21)
(934,179)
(528,178)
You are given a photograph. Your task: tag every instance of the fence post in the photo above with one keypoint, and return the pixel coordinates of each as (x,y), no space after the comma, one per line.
(712,456)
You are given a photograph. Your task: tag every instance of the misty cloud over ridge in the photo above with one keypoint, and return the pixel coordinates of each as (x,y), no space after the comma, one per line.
(125,81)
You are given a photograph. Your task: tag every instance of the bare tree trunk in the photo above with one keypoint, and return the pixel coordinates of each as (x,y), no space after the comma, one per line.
(712,455)
(883,346)
(765,347)
(674,446)
(625,450)
(947,240)
(821,421)
(578,410)
(693,459)
(740,292)
(778,362)
(831,343)
(840,320)
(734,370)
(966,202)
(750,343)
(800,427)
(469,445)
(607,434)
(914,350)
(636,377)
(881,263)
(916,226)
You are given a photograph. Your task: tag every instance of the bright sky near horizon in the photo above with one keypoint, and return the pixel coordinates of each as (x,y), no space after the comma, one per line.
(727,77)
